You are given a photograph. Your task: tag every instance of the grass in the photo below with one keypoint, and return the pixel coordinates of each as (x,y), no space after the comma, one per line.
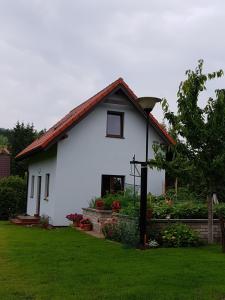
(66,264)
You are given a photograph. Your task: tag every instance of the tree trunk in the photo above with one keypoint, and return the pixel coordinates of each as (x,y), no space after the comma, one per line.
(210,219)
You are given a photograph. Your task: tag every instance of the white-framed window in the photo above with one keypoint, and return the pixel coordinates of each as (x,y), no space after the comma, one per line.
(47,182)
(32,186)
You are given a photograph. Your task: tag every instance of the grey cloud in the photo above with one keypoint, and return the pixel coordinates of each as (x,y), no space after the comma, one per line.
(56,53)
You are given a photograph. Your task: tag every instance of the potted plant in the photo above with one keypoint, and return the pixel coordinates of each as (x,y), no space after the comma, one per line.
(85,224)
(116,206)
(75,218)
(99,204)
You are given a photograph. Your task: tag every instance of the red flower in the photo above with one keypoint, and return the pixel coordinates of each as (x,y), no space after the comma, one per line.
(74,217)
(116,205)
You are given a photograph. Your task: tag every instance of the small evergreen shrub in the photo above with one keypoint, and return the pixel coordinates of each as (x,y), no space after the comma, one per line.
(12,196)
(180,235)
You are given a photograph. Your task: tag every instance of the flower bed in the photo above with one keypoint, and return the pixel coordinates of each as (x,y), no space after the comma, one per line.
(97,217)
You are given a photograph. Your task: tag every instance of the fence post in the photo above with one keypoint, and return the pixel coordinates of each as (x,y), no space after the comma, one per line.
(222,227)
(210,219)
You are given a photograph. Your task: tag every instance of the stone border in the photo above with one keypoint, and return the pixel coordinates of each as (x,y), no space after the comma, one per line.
(98,217)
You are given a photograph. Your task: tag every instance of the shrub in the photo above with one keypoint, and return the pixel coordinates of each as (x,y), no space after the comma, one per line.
(185,210)
(180,235)
(12,196)
(124,232)
(189,210)
(130,210)
(161,210)
(219,210)
(183,195)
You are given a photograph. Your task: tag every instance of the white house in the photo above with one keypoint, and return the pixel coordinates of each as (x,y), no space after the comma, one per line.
(88,153)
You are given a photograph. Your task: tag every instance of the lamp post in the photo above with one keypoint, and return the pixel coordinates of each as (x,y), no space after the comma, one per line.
(147,104)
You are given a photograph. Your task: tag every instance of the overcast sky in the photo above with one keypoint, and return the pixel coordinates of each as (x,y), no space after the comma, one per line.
(54,54)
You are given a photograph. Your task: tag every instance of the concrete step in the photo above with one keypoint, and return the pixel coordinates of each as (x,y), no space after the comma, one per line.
(25,220)
(29,219)
(16,221)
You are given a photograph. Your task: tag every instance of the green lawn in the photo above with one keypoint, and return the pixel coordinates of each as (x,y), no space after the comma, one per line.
(66,264)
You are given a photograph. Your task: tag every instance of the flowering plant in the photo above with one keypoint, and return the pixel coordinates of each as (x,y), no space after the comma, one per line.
(153,244)
(85,221)
(99,204)
(74,217)
(116,205)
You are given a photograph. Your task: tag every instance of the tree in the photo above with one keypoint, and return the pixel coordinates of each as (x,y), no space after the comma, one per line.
(12,196)
(20,137)
(3,141)
(200,133)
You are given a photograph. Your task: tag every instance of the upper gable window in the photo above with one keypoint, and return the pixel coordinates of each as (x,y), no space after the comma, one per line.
(115,124)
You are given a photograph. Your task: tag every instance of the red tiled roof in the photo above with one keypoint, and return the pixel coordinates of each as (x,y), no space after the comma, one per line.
(75,115)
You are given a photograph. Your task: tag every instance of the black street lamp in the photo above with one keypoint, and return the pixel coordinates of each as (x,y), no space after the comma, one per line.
(147,103)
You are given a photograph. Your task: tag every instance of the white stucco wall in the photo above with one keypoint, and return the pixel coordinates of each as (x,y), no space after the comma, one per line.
(87,154)
(45,163)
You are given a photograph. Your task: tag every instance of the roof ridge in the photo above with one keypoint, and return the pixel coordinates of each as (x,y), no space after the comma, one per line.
(77,113)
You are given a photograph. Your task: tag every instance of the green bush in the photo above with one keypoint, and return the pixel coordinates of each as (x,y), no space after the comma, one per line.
(12,196)
(180,235)
(189,210)
(123,232)
(185,210)
(131,210)
(183,195)
(161,210)
(219,210)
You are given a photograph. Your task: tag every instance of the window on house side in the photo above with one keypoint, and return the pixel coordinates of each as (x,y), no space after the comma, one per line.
(115,122)
(47,181)
(32,187)
(112,184)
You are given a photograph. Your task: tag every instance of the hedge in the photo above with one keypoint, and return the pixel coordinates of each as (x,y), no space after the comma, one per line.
(12,196)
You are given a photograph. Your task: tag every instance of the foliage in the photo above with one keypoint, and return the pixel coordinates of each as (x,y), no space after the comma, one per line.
(198,158)
(124,198)
(20,137)
(131,210)
(124,232)
(220,210)
(44,221)
(162,210)
(180,235)
(153,244)
(183,195)
(92,203)
(12,196)
(3,141)
(185,210)
(189,210)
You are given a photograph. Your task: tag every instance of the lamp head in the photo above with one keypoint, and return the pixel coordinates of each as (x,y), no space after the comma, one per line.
(148,103)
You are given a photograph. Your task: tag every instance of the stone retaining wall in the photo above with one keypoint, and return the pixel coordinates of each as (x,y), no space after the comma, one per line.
(98,217)
(199,225)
